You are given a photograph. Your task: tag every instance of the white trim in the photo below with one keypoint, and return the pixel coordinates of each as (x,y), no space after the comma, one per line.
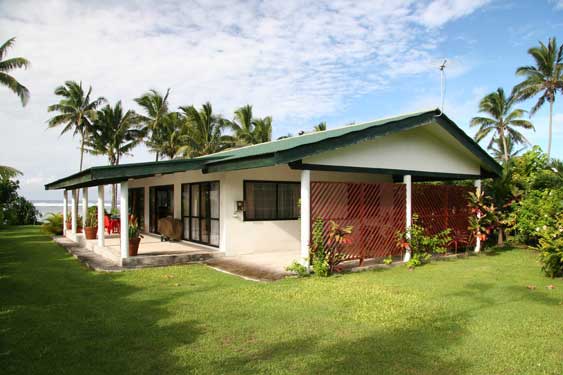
(74,214)
(124,215)
(101,216)
(84,206)
(407,180)
(305,216)
(65,211)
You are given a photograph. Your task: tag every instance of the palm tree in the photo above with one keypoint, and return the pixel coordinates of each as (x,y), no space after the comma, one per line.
(545,78)
(263,129)
(503,120)
(10,64)
(204,132)
(172,135)
(320,127)
(497,148)
(249,130)
(8,172)
(155,106)
(76,112)
(114,134)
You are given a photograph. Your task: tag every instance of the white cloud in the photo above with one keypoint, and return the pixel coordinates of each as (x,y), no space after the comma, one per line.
(558,4)
(295,60)
(439,12)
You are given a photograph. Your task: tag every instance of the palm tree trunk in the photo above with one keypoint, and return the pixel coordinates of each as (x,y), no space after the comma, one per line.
(550,128)
(81,151)
(500,241)
(157,154)
(504,145)
(113,196)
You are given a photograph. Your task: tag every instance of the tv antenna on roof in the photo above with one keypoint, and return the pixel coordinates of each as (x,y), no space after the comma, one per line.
(442,85)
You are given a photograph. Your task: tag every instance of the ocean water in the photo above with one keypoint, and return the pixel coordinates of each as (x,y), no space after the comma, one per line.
(46,207)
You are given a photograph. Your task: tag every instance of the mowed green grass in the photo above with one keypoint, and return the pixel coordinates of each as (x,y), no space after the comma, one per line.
(465,316)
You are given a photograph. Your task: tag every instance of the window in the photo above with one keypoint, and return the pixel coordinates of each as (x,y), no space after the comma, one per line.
(200,207)
(269,200)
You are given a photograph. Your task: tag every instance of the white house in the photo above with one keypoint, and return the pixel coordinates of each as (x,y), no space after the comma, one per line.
(257,198)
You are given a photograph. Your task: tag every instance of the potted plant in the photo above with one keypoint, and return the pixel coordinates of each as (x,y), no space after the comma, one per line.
(134,236)
(78,223)
(91,223)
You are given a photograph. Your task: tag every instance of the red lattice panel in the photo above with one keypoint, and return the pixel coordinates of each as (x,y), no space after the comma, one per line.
(442,206)
(376,212)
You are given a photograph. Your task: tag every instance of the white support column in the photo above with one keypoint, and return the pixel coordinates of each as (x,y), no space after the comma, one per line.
(477,184)
(74,213)
(407,180)
(65,211)
(305,216)
(101,213)
(124,214)
(84,206)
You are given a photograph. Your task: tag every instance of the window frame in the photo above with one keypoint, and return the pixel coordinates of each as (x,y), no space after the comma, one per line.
(277,183)
(189,217)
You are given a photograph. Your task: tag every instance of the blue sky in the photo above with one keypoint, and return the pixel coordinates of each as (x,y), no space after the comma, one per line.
(300,61)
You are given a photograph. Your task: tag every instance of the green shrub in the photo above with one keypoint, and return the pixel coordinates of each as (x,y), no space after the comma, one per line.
(388,260)
(53,224)
(421,244)
(297,268)
(550,247)
(537,210)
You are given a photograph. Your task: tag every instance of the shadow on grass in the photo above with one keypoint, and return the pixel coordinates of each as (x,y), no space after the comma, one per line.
(418,348)
(55,317)
(478,292)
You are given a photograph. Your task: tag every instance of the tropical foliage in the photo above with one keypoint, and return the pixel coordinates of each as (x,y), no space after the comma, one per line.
(53,224)
(204,133)
(114,133)
(249,130)
(545,79)
(7,65)
(76,112)
(503,120)
(15,209)
(421,244)
(155,108)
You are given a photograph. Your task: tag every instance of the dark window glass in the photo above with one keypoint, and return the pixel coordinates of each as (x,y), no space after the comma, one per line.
(271,200)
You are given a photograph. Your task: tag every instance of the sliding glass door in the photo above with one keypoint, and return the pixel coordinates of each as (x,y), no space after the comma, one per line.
(161,205)
(200,207)
(137,205)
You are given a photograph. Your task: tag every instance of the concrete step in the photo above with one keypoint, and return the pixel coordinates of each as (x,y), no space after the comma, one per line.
(141,261)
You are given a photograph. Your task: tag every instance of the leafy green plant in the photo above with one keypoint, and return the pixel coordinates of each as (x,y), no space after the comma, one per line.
(550,247)
(421,244)
(92,217)
(484,216)
(134,228)
(388,260)
(53,224)
(326,257)
(297,268)
(537,210)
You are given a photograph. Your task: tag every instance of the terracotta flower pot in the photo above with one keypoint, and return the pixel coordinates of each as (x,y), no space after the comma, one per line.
(134,246)
(90,232)
(68,225)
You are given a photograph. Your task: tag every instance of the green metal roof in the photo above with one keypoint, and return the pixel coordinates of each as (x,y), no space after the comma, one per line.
(278,152)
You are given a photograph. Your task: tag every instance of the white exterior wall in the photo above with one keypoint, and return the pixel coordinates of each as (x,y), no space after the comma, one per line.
(428,149)
(243,237)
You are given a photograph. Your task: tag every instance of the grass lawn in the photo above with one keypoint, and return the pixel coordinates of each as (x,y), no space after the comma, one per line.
(465,316)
